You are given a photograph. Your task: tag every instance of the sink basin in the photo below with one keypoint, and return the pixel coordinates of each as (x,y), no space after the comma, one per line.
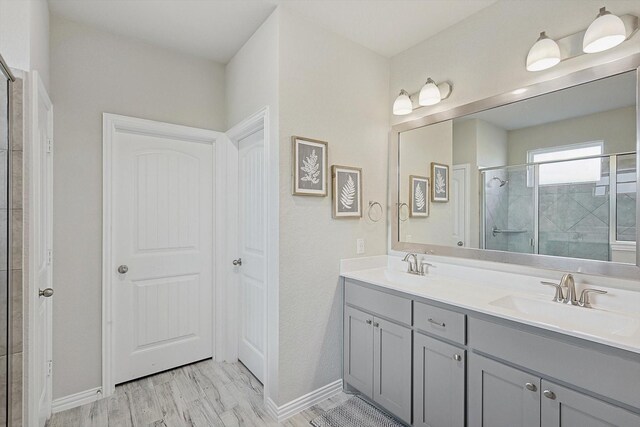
(589,320)
(404,278)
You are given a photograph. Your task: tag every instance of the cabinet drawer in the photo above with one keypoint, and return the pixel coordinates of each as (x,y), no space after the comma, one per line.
(380,303)
(441,322)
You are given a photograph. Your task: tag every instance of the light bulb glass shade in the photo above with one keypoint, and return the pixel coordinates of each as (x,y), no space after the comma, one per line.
(429,94)
(402,105)
(544,54)
(605,32)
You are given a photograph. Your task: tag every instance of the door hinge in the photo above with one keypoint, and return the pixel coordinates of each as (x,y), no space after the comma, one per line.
(49,257)
(49,145)
(49,367)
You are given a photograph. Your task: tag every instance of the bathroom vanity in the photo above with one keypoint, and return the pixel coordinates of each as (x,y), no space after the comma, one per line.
(442,352)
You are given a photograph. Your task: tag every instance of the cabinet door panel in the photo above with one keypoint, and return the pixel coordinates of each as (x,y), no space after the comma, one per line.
(438,383)
(358,350)
(568,408)
(499,397)
(392,368)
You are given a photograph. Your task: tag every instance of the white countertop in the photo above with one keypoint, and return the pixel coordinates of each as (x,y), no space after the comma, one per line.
(518,301)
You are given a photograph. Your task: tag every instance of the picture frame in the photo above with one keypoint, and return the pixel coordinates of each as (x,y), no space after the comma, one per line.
(346,195)
(309,167)
(439,183)
(419,196)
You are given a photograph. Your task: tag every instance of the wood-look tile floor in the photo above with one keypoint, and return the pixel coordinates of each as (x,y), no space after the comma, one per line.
(203,394)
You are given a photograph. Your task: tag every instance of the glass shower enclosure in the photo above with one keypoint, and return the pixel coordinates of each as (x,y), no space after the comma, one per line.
(580,208)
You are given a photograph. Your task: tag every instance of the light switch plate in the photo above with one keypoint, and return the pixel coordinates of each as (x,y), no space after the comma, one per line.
(359,246)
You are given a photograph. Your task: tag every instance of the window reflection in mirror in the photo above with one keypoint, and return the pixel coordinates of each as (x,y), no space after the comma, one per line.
(551,175)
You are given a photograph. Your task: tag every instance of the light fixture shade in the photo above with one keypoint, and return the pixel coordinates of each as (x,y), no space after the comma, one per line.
(429,94)
(402,105)
(605,32)
(544,54)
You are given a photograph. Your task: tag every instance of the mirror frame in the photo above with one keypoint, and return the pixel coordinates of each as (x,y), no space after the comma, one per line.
(574,265)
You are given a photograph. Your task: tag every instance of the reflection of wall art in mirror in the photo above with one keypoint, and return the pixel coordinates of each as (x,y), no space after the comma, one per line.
(440,182)
(309,167)
(347,192)
(418,196)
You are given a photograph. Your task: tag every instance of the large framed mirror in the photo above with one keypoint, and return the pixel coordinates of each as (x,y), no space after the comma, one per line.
(544,176)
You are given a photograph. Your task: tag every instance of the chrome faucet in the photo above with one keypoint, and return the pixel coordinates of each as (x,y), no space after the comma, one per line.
(569,284)
(566,292)
(412,267)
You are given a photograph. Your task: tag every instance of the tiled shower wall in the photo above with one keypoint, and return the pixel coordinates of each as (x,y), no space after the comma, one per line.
(520,217)
(15,228)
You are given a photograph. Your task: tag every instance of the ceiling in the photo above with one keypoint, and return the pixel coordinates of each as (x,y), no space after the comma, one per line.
(217,29)
(601,95)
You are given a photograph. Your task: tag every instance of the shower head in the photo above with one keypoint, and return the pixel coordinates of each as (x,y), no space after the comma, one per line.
(502,182)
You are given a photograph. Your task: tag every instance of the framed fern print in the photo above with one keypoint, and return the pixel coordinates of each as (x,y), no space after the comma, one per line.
(419,196)
(309,167)
(439,182)
(347,192)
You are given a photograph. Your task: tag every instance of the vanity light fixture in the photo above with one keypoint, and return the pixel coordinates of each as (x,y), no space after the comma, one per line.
(605,32)
(402,105)
(430,94)
(545,53)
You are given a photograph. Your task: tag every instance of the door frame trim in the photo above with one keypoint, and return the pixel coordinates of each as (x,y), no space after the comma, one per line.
(111,123)
(227,323)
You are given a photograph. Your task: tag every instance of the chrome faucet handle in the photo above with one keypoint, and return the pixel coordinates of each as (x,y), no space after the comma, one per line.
(584,297)
(558,297)
(424,267)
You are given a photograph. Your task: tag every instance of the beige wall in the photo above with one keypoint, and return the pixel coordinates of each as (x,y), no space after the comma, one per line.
(24,35)
(484,55)
(336,91)
(418,148)
(94,72)
(617,128)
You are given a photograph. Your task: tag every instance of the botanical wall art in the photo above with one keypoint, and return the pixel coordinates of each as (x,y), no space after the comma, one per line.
(439,182)
(418,196)
(347,192)
(309,167)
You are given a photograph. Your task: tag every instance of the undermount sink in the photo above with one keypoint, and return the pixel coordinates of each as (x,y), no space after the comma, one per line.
(567,316)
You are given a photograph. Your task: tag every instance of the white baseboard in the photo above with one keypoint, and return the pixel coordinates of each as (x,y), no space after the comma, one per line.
(281,413)
(77,399)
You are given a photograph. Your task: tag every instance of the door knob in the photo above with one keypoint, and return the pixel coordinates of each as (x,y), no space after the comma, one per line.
(237,261)
(457,357)
(123,269)
(549,394)
(460,243)
(47,292)
(531,387)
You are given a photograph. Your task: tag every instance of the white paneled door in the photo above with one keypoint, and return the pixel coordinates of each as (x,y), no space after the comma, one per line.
(162,240)
(459,200)
(40,253)
(251,244)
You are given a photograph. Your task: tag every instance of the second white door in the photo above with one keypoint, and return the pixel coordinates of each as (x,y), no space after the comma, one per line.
(459,202)
(162,209)
(251,244)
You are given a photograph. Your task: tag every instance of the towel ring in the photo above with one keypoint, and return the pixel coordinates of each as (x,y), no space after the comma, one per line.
(372,205)
(400,205)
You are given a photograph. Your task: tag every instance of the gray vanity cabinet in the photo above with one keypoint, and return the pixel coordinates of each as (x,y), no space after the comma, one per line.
(358,350)
(563,407)
(392,368)
(438,383)
(502,396)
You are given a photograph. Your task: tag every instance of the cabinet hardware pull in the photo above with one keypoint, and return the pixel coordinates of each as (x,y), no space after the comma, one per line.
(531,387)
(376,324)
(549,394)
(368,321)
(430,320)
(457,357)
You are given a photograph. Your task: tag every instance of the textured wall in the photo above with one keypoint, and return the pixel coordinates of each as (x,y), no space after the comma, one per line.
(336,91)
(94,72)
